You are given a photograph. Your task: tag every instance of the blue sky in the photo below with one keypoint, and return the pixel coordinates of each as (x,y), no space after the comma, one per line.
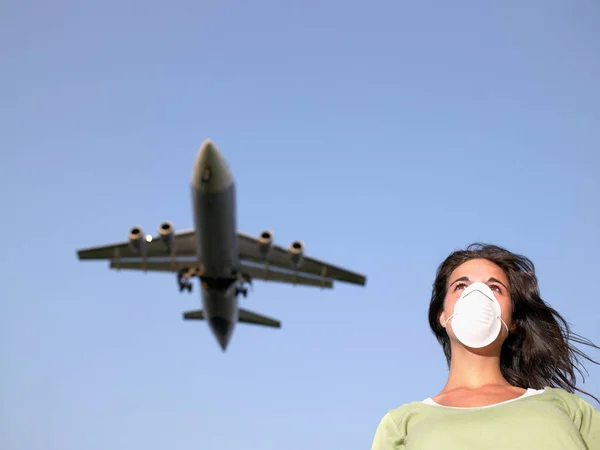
(384,136)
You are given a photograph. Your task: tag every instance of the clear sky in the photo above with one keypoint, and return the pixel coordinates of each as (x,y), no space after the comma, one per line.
(384,136)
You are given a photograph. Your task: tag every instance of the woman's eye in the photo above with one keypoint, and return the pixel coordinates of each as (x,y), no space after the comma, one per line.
(496,288)
(460,286)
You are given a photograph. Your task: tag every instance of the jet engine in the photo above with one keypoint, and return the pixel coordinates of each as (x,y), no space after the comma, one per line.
(297,254)
(137,240)
(265,241)
(167,235)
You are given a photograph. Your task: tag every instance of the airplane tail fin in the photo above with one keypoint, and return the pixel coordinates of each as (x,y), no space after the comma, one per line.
(194,315)
(244,316)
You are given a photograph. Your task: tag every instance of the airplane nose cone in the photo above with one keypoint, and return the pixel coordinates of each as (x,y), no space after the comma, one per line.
(208,152)
(211,172)
(222,329)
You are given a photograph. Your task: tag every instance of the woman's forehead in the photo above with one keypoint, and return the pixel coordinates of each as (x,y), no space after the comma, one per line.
(478,270)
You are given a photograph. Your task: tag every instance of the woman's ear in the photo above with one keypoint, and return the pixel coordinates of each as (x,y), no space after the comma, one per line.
(443,319)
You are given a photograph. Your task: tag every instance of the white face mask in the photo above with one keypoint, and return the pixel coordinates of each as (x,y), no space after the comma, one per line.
(477,320)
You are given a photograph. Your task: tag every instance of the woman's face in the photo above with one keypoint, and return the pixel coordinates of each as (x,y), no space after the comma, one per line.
(483,271)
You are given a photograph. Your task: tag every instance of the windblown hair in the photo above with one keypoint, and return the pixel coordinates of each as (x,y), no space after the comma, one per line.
(539,352)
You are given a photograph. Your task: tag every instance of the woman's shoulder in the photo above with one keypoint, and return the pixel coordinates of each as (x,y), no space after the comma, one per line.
(410,409)
(569,399)
(397,419)
(584,415)
(393,427)
(576,407)
(404,409)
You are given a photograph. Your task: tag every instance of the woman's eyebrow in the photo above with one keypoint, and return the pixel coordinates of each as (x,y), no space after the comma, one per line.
(461,279)
(494,280)
(491,280)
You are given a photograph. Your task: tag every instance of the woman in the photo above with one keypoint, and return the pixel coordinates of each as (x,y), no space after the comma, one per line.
(512,367)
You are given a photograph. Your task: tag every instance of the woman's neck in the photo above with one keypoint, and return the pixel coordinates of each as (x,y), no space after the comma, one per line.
(471,371)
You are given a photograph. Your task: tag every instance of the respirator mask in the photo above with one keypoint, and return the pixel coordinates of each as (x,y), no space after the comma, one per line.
(477,321)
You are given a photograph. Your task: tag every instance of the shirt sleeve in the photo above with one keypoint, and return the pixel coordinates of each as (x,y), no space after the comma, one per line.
(388,435)
(589,424)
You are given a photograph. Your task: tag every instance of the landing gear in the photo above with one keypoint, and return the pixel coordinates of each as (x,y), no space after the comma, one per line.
(238,281)
(183,279)
(185,286)
(241,290)
(242,280)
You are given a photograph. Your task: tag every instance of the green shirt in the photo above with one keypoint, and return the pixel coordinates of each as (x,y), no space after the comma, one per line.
(547,419)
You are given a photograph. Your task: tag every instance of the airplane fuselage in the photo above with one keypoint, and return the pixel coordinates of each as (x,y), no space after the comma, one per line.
(214,205)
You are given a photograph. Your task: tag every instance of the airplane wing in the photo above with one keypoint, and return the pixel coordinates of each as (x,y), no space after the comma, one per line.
(256,273)
(185,245)
(280,257)
(277,268)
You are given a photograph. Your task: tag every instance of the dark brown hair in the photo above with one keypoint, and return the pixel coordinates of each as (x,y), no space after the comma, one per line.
(540,351)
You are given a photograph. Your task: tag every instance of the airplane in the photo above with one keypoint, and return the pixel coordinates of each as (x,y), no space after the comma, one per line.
(224,259)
